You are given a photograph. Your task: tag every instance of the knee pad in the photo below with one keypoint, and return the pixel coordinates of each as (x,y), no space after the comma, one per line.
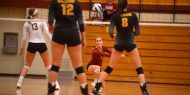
(79,70)
(27,67)
(49,67)
(139,70)
(108,69)
(55,68)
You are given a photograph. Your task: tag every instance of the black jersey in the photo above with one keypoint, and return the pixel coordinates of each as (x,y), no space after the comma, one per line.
(124,22)
(66,14)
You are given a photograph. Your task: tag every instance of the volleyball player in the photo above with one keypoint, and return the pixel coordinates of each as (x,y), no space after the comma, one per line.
(67,13)
(95,64)
(98,53)
(37,32)
(124,41)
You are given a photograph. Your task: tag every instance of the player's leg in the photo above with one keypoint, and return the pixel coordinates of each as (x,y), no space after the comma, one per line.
(57,53)
(134,56)
(75,53)
(46,59)
(95,69)
(29,59)
(115,56)
(104,15)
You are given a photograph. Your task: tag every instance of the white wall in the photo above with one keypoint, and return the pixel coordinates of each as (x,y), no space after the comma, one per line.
(10,63)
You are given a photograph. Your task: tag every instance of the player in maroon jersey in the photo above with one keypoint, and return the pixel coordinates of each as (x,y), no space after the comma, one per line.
(109,10)
(98,53)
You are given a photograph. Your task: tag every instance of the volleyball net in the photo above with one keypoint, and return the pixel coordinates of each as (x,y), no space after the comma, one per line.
(101,22)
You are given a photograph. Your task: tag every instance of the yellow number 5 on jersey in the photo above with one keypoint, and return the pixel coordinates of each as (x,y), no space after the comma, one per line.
(67,9)
(124,22)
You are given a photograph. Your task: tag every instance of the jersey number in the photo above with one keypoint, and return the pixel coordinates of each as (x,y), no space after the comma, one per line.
(124,22)
(67,9)
(34,26)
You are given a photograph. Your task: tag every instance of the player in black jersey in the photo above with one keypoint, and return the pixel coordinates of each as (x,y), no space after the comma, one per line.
(68,16)
(124,40)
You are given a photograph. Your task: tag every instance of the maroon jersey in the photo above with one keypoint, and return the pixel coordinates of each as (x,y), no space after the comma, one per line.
(109,7)
(97,56)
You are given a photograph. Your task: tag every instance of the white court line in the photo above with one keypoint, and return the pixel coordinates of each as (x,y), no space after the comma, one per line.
(103,23)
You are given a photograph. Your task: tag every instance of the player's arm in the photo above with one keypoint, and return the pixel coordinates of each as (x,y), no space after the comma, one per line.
(136,24)
(107,52)
(79,16)
(51,16)
(80,22)
(111,28)
(46,31)
(23,41)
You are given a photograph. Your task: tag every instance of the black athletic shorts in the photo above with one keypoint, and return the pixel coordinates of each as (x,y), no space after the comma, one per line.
(36,47)
(71,37)
(127,47)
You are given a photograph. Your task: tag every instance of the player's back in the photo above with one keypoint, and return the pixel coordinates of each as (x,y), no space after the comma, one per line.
(36,31)
(65,12)
(125,21)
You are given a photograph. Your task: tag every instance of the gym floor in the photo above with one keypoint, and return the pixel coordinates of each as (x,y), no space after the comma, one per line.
(38,86)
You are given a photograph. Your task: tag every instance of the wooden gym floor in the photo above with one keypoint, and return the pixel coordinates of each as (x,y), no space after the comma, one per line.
(38,86)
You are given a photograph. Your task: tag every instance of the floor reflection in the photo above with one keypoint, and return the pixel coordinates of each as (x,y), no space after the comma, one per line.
(20,92)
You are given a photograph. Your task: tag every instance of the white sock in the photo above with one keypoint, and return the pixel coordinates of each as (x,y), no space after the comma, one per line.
(53,83)
(95,80)
(21,78)
(83,85)
(99,81)
(57,85)
(56,82)
(141,84)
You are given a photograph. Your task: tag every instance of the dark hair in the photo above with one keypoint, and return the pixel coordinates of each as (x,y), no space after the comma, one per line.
(122,4)
(31,11)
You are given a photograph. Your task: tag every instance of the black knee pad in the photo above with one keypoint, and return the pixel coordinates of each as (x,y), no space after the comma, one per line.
(108,69)
(55,68)
(140,70)
(79,70)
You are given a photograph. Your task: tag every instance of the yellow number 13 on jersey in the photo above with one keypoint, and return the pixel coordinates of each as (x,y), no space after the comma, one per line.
(67,9)
(124,22)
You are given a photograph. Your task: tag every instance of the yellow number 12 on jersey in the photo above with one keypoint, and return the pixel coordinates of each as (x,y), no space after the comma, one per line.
(67,9)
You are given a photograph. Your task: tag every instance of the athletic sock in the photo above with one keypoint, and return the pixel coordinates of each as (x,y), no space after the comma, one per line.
(95,80)
(21,78)
(20,81)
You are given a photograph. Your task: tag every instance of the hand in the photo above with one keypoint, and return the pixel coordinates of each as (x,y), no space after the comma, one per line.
(21,52)
(51,28)
(83,43)
(122,55)
(113,36)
